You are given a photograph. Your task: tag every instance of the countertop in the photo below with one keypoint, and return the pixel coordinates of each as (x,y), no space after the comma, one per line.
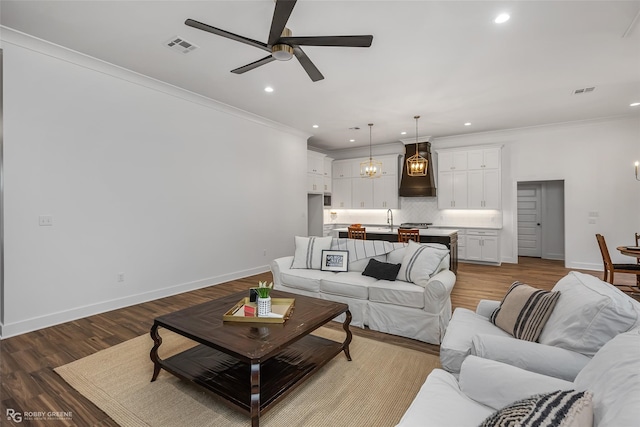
(475,227)
(437,232)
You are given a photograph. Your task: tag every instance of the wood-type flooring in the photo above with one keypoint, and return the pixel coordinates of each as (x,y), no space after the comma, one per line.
(28,382)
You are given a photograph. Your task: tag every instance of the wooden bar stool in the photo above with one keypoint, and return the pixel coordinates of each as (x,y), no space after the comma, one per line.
(404,235)
(357,233)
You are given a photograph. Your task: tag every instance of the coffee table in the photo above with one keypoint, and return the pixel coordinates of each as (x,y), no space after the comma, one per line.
(250,366)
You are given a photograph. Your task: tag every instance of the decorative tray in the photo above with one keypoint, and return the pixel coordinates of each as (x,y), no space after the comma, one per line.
(281,309)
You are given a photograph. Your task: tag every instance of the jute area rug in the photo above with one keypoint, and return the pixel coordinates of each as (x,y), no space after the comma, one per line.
(374,389)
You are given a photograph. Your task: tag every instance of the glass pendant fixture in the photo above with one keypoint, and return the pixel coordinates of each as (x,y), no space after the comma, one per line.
(370,168)
(416,164)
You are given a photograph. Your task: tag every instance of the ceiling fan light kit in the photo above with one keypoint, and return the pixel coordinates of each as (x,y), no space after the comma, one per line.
(416,164)
(281,45)
(370,168)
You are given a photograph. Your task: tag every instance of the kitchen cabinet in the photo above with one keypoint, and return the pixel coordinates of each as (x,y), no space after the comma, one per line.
(341,194)
(341,169)
(315,183)
(327,172)
(452,189)
(484,189)
(315,174)
(462,244)
(469,178)
(488,158)
(385,192)
(362,193)
(482,245)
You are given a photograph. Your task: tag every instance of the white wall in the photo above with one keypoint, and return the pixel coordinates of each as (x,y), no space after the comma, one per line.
(174,190)
(595,160)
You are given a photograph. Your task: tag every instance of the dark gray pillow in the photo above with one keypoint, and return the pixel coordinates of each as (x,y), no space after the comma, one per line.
(381,270)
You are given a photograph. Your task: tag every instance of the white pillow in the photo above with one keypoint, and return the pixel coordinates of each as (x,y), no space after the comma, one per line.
(420,262)
(588,313)
(309,251)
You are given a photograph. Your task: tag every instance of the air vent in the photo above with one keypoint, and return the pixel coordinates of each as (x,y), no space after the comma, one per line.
(180,45)
(584,90)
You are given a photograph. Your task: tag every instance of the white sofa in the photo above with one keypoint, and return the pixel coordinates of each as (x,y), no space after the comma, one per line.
(420,310)
(588,313)
(484,386)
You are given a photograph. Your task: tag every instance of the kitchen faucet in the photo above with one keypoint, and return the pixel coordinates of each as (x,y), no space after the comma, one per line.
(390,219)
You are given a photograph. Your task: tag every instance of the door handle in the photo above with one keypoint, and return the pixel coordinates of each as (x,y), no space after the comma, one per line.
(538,223)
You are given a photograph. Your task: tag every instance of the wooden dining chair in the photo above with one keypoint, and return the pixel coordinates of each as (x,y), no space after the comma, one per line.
(638,259)
(406,234)
(357,233)
(610,268)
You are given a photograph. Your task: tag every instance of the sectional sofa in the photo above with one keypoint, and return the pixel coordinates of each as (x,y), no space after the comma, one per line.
(416,304)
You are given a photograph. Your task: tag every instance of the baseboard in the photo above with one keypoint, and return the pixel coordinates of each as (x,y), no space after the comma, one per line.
(33,324)
(584,266)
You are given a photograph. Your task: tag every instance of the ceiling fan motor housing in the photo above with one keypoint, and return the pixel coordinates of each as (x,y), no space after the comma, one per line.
(282,52)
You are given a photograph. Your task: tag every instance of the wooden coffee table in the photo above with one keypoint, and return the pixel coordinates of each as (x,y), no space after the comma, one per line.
(250,366)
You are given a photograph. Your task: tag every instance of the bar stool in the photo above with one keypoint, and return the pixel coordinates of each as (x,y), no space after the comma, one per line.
(357,233)
(404,235)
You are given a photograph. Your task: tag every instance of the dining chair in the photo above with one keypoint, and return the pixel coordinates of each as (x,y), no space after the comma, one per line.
(610,268)
(406,234)
(357,233)
(638,259)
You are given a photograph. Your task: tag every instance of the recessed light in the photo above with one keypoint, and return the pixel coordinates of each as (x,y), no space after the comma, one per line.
(315,126)
(352,140)
(403,133)
(268,89)
(634,104)
(502,18)
(468,124)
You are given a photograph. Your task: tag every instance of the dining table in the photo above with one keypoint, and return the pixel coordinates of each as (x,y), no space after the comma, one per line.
(632,251)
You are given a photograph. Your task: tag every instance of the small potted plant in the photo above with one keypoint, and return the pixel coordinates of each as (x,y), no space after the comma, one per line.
(264,300)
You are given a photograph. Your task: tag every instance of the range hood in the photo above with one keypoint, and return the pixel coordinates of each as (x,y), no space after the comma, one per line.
(418,186)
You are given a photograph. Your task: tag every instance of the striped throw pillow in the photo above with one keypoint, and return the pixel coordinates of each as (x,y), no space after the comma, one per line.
(308,252)
(524,311)
(567,408)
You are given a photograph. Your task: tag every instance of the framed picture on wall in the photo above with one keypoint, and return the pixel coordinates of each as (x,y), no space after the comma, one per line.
(334,260)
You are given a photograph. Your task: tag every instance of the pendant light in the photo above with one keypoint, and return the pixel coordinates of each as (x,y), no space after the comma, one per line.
(370,168)
(416,164)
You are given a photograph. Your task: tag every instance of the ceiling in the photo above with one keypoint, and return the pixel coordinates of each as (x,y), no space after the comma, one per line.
(446,61)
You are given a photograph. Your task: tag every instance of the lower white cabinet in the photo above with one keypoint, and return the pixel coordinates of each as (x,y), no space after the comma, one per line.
(482,245)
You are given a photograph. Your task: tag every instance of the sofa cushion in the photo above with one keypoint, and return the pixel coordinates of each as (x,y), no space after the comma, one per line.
(421,261)
(588,313)
(361,264)
(397,293)
(457,342)
(308,252)
(613,375)
(307,280)
(524,310)
(381,270)
(350,284)
(568,408)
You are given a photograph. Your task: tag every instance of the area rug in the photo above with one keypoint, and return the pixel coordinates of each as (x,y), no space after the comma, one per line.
(375,389)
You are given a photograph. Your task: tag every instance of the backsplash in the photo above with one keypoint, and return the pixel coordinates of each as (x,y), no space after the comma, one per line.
(416,209)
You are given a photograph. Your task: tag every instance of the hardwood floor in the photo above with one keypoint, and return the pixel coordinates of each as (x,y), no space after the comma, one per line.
(28,382)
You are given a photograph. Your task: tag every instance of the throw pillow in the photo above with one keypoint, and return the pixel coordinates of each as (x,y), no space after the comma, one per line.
(557,409)
(381,270)
(524,310)
(420,262)
(308,252)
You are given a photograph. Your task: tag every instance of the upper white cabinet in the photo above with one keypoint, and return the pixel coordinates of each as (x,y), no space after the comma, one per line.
(315,172)
(327,172)
(350,190)
(469,178)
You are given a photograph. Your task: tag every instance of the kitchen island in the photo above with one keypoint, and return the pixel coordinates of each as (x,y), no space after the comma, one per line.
(445,236)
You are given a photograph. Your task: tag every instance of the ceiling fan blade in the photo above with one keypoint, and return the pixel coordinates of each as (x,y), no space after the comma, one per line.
(227,34)
(346,41)
(280,17)
(253,65)
(306,63)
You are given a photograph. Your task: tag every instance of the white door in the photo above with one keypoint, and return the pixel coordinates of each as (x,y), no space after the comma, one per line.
(529,231)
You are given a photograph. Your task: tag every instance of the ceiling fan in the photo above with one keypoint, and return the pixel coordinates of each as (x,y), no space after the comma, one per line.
(282,45)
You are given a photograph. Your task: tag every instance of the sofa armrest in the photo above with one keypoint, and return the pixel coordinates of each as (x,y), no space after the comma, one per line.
(485,307)
(497,384)
(277,266)
(437,291)
(532,356)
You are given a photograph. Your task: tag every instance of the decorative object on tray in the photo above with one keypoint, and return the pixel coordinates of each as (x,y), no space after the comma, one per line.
(247,311)
(335,260)
(264,300)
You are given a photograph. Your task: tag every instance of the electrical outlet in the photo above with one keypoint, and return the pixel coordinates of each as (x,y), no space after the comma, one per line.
(45,220)
(120,277)
(264,252)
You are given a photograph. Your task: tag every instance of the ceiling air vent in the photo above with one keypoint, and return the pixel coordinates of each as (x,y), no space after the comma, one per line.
(584,90)
(180,45)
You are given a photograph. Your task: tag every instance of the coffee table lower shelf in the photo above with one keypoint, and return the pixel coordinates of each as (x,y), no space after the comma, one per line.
(230,378)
